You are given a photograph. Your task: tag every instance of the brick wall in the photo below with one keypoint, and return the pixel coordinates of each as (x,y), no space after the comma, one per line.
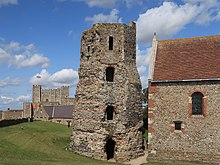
(198,138)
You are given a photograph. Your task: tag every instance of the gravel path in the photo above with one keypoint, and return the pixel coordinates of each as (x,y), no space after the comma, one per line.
(138,161)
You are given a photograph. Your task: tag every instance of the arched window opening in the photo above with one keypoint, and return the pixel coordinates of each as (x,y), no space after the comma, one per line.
(110,43)
(109,112)
(110,74)
(197,103)
(110,148)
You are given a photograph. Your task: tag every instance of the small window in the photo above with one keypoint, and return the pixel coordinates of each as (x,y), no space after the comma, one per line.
(47,100)
(110,74)
(110,43)
(109,112)
(88,48)
(178,125)
(197,105)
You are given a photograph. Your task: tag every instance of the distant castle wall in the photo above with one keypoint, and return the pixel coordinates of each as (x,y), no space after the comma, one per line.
(27,108)
(57,96)
(40,97)
(12,114)
(1,115)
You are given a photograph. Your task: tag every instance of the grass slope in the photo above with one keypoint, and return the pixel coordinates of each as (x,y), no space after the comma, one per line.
(41,143)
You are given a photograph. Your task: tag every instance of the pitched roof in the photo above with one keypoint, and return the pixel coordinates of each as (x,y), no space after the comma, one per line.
(49,110)
(188,59)
(65,111)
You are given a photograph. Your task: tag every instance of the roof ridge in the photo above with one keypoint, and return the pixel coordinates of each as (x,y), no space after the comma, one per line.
(190,38)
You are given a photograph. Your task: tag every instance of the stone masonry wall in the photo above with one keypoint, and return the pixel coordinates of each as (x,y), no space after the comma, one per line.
(199,137)
(27,107)
(57,96)
(12,114)
(91,129)
(36,93)
(1,115)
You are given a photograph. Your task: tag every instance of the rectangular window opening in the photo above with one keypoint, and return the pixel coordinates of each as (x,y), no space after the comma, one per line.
(109,112)
(110,43)
(178,125)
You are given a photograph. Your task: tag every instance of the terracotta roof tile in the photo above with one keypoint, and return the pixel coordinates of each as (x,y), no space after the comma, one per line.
(189,58)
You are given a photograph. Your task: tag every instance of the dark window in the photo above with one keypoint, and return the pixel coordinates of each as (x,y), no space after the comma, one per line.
(110,43)
(110,74)
(197,103)
(109,112)
(88,48)
(177,125)
(47,100)
(110,148)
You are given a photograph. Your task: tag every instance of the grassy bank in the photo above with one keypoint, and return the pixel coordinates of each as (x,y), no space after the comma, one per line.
(41,143)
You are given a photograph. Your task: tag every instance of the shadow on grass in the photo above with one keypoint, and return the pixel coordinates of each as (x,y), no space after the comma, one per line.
(6,123)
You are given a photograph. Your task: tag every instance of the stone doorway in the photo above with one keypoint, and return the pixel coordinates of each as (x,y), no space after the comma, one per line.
(110,148)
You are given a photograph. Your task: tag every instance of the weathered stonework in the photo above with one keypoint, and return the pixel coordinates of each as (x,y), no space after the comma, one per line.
(1,112)
(12,114)
(28,111)
(57,96)
(95,133)
(198,139)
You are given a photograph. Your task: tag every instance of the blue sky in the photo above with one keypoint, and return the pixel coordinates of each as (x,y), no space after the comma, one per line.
(42,37)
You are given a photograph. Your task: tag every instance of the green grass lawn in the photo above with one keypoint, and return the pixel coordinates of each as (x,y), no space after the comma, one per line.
(41,143)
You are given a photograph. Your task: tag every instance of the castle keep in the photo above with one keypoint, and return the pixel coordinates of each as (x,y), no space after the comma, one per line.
(184,100)
(108,111)
(57,96)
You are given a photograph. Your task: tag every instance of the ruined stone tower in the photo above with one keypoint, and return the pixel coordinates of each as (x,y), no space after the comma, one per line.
(108,111)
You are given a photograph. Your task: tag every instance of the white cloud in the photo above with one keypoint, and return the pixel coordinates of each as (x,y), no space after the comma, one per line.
(142,59)
(14,101)
(102,18)
(9,82)
(15,54)
(108,3)
(102,3)
(8,2)
(4,56)
(131,3)
(23,98)
(166,20)
(5,100)
(144,81)
(142,62)
(169,18)
(60,78)
(34,60)
(12,46)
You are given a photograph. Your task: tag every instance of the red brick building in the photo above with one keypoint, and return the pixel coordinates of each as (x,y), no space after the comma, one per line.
(184,100)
